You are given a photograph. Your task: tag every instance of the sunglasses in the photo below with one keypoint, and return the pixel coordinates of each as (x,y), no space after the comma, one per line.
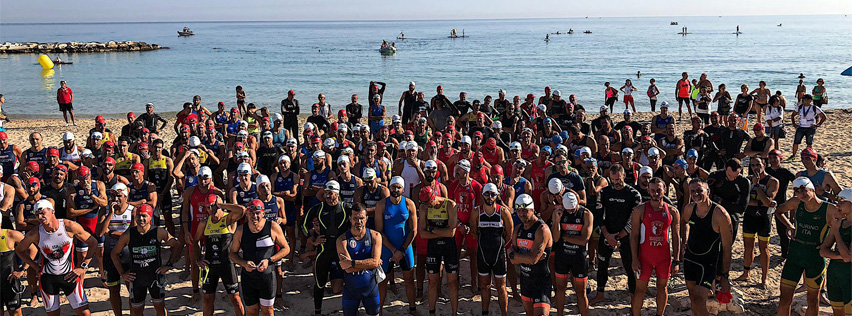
(561,162)
(489,194)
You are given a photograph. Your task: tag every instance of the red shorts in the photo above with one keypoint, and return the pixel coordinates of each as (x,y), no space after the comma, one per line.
(628,99)
(661,264)
(469,240)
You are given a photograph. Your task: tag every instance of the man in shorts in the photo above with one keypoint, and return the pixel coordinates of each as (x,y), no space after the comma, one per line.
(54,238)
(657,221)
(147,273)
(217,232)
(531,245)
(571,226)
(811,216)
(438,227)
(807,118)
(683,91)
(756,219)
(65,97)
(10,272)
(491,223)
(708,236)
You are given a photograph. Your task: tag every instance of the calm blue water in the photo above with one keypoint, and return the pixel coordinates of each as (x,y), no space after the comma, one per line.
(339,58)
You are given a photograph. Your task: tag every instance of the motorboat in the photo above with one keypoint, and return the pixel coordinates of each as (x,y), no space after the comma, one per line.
(186,32)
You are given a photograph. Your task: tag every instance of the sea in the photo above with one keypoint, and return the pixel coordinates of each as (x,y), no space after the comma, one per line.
(340,58)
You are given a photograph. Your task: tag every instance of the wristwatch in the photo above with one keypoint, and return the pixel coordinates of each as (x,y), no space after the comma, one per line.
(84,265)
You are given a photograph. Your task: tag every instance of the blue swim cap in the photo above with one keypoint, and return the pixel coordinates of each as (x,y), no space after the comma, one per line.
(591,161)
(556,139)
(564,135)
(546,120)
(681,163)
(577,153)
(546,149)
(692,153)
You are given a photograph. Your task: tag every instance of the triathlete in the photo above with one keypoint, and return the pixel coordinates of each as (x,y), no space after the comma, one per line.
(466,192)
(756,221)
(246,190)
(273,207)
(10,272)
(618,201)
(708,237)
(147,273)
(216,233)
(571,227)
(87,198)
(370,194)
(359,253)
(492,226)
(159,169)
(396,220)
(811,215)
(652,250)
(114,220)
(256,239)
(438,227)
(836,248)
(285,184)
(333,222)
(530,250)
(192,215)
(26,219)
(54,239)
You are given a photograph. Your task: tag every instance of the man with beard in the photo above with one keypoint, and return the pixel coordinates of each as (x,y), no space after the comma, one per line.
(569,177)
(54,238)
(712,156)
(359,251)
(571,228)
(257,240)
(784,177)
(618,201)
(531,247)
(159,169)
(408,166)
(369,161)
(354,111)
(731,190)
(84,202)
(652,252)
(333,223)
(466,192)
(696,138)
(462,104)
(492,227)
(441,101)
(397,222)
(147,271)
(192,215)
(58,190)
(825,184)
(37,152)
(707,234)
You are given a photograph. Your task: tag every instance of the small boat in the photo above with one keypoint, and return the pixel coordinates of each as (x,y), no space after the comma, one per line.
(186,32)
(453,34)
(390,50)
(779,24)
(672,23)
(63,62)
(401,36)
(587,32)
(571,31)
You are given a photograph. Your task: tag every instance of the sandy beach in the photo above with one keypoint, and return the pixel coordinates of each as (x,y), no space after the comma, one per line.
(831,141)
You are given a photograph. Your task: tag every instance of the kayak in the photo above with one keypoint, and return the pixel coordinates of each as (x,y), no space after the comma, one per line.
(63,62)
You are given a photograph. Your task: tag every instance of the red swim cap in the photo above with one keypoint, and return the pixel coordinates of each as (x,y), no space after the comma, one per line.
(497,169)
(426,194)
(147,209)
(83,172)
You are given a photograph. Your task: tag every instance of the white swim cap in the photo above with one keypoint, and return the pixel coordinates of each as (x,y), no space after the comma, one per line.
(319,154)
(43,204)
(332,186)
(329,142)
(67,136)
(569,201)
(262,179)
(645,170)
(194,141)
(524,201)
(464,165)
(397,180)
(342,159)
(244,168)
(845,195)
(803,182)
(120,188)
(653,151)
(490,187)
(555,186)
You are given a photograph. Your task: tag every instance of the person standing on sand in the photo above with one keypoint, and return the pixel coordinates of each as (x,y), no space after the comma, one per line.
(652,93)
(818,92)
(806,119)
(64,96)
(359,250)
(682,93)
(839,267)
(761,99)
(531,247)
(610,96)
(801,89)
(290,111)
(3,117)
(406,103)
(628,89)
(354,111)
(709,223)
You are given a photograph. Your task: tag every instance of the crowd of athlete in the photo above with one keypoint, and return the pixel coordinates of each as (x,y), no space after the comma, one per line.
(533,195)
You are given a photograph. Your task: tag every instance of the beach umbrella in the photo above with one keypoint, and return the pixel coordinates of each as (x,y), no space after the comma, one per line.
(847,72)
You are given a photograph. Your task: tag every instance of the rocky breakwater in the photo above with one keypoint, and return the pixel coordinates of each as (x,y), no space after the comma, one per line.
(76,47)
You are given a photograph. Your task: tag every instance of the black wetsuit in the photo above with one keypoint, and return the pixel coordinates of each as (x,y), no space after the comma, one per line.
(617,209)
(535,278)
(333,221)
(258,287)
(732,195)
(785,177)
(702,249)
(146,252)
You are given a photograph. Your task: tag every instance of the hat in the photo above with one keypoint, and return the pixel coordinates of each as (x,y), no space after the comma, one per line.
(427,194)
(369,174)
(464,164)
(681,163)
(491,143)
(205,172)
(395,118)
(342,159)
(585,150)
(557,93)
(332,186)
(758,126)
(555,186)
(653,152)
(520,162)
(524,201)
(604,108)
(845,195)
(62,168)
(319,154)
(497,125)
(397,180)
(262,179)
(591,160)
(3,135)
(243,168)
(194,141)
(490,187)
(803,182)
(142,147)
(256,204)
(242,134)
(810,152)
(627,151)
(33,181)
(515,146)
(240,154)
(664,104)
(430,165)
(776,152)
(541,107)
(87,153)
(95,135)
(329,142)
(100,119)
(645,170)
(569,201)
(120,188)
(109,144)
(627,112)
(292,141)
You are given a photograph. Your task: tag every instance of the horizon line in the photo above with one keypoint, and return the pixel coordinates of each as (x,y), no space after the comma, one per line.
(416,20)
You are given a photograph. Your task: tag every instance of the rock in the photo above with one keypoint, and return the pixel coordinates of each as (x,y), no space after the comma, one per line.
(71,47)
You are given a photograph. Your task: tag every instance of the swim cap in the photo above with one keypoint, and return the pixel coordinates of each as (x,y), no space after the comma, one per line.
(430,165)
(243,168)
(845,195)
(803,182)
(67,136)
(120,188)
(645,170)
(256,205)
(490,187)
(680,163)
(369,174)
(262,179)
(342,159)
(43,204)
(427,194)
(515,146)
(332,186)
(555,186)
(524,201)
(464,164)
(569,201)
(146,209)
(692,153)
(653,152)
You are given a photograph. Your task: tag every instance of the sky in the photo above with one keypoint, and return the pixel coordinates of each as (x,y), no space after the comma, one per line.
(76,11)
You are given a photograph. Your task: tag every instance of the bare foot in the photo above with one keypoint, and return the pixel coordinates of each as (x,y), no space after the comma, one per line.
(597,299)
(742,277)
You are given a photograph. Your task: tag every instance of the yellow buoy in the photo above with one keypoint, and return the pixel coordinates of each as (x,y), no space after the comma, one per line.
(45,62)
